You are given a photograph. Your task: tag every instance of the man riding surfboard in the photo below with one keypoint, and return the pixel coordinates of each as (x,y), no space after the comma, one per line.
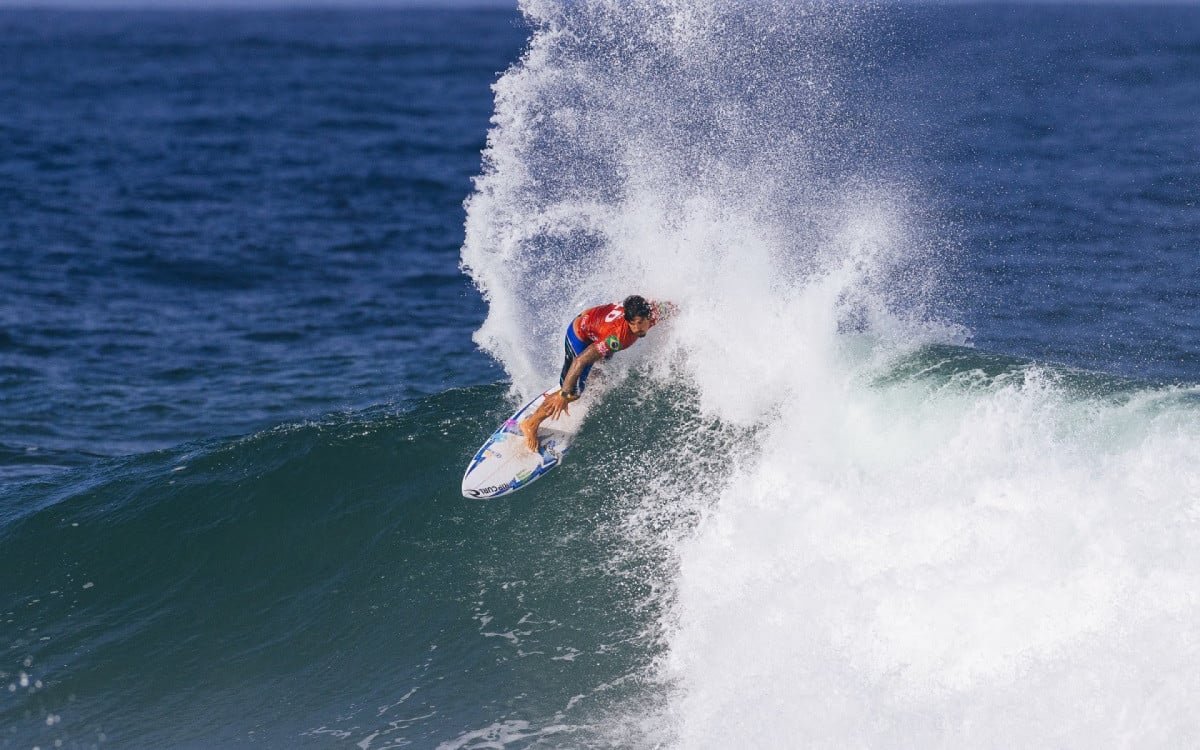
(595,334)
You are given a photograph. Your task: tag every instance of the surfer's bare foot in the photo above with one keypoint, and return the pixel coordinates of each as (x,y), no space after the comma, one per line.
(529,430)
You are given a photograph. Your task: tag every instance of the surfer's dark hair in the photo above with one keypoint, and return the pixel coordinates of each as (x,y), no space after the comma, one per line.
(636,307)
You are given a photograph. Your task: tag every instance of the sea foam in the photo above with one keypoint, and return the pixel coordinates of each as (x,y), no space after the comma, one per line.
(921,561)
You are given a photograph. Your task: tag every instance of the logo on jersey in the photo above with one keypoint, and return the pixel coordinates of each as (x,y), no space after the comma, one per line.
(613,343)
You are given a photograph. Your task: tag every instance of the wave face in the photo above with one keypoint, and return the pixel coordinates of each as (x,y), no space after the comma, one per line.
(911,544)
(324,584)
(960,549)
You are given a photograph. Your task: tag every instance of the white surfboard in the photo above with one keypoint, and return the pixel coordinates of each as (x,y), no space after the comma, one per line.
(504,464)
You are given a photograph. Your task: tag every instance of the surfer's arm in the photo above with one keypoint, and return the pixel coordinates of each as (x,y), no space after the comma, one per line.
(558,403)
(590,356)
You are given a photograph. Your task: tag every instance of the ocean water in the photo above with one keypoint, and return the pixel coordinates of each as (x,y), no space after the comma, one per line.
(914,467)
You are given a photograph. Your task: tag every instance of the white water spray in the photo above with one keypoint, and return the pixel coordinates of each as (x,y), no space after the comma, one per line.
(904,562)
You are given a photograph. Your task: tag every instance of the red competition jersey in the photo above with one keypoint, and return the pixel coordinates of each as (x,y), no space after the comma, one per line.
(605,325)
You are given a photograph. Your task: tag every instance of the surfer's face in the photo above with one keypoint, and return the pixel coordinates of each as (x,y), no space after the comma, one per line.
(639,326)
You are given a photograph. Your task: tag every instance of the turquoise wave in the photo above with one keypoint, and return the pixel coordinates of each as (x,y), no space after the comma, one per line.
(319,581)
(322,583)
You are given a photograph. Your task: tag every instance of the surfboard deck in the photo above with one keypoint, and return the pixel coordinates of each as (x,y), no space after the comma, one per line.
(504,465)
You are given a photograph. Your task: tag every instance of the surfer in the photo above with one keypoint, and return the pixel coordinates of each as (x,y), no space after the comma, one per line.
(595,334)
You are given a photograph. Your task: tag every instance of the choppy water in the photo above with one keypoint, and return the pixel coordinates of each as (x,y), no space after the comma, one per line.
(217,222)
(914,467)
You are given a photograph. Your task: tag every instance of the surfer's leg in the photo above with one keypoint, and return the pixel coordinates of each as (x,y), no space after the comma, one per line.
(529,425)
(572,347)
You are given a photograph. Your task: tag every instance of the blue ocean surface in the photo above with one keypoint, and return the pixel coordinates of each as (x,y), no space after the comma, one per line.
(913,467)
(215,222)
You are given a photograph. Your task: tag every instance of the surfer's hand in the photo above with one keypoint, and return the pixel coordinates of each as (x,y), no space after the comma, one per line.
(558,405)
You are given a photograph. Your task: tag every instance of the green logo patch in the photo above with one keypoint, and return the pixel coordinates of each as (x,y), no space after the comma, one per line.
(613,343)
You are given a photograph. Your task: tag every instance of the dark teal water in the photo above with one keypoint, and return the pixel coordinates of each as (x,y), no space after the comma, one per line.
(239,386)
(317,583)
